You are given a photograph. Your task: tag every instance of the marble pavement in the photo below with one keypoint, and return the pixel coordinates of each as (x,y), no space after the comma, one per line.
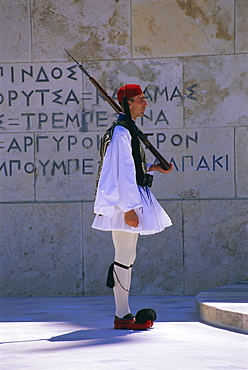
(70,333)
(190,58)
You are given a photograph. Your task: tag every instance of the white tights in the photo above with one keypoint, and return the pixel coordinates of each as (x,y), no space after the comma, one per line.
(125,254)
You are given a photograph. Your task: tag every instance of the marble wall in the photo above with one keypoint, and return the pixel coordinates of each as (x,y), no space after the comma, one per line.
(190,57)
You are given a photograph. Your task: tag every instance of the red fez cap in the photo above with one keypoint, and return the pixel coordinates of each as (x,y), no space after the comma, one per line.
(129,91)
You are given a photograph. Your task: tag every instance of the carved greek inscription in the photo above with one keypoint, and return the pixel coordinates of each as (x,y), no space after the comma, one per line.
(72,144)
(37,97)
(61,126)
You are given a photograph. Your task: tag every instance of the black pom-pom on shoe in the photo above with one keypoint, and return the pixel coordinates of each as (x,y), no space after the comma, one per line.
(145,314)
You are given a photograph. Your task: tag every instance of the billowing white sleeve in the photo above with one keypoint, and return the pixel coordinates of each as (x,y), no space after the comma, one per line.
(117,186)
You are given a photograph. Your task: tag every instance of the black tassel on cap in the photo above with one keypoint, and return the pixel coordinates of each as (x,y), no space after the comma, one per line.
(135,144)
(127,110)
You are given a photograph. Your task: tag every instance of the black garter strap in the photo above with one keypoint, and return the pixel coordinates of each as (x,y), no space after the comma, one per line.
(123,266)
(110,278)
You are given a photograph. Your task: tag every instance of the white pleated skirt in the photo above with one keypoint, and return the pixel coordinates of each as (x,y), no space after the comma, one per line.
(152,217)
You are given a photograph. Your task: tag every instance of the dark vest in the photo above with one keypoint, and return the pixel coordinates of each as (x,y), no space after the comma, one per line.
(142,177)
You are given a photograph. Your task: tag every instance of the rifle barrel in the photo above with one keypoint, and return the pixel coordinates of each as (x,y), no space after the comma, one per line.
(79,65)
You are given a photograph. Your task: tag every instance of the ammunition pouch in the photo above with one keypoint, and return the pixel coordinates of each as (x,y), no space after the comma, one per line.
(147,180)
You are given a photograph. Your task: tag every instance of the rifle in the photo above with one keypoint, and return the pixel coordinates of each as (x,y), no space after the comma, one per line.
(162,161)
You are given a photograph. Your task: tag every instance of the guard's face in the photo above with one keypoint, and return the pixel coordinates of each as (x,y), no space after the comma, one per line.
(138,106)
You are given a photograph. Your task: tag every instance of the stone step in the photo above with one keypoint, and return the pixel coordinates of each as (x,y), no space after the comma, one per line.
(225,307)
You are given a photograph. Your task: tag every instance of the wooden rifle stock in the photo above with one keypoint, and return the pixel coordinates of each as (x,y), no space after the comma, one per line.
(163,162)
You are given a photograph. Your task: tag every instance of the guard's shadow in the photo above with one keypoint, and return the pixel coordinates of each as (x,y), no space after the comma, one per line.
(93,337)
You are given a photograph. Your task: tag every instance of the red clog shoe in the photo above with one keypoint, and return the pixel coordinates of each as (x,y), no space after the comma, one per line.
(133,326)
(129,322)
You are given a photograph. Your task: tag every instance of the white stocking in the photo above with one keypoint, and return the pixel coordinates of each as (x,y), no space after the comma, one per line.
(125,254)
